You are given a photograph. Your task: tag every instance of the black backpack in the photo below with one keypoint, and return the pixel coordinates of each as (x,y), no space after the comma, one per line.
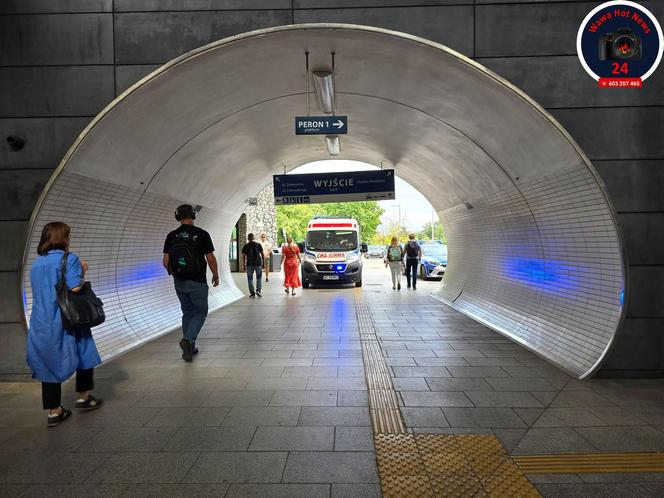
(254,254)
(412,249)
(183,257)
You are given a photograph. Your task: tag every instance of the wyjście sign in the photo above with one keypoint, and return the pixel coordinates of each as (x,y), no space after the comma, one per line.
(312,188)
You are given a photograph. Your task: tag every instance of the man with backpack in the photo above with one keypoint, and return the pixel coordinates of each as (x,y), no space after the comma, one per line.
(413,255)
(252,252)
(188,251)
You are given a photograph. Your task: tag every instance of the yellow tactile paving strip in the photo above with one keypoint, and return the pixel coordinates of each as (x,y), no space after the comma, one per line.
(464,465)
(581,463)
(445,465)
(429,465)
(383,404)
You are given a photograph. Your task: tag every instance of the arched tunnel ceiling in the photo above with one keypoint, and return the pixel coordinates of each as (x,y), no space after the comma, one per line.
(534,248)
(229,111)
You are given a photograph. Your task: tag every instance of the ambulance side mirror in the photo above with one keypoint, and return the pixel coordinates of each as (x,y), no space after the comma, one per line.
(300,245)
(364,247)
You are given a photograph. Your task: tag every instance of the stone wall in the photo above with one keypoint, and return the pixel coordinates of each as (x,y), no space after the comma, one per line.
(258,218)
(242,239)
(263,216)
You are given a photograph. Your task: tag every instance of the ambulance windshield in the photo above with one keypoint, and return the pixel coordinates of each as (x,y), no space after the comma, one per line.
(332,240)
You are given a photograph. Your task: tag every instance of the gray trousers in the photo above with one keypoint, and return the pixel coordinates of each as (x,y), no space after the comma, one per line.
(395,270)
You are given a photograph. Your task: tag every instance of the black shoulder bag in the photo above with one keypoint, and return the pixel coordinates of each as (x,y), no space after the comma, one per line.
(79,310)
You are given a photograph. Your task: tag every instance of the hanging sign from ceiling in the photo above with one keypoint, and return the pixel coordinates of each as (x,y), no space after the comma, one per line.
(311,188)
(321,125)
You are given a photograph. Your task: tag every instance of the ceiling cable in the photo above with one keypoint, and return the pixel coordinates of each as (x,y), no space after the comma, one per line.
(334,86)
(306,72)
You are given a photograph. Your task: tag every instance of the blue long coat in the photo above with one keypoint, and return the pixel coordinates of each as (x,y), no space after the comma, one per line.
(53,353)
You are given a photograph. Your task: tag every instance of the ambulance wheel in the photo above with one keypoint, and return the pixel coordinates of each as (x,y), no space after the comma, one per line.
(423,274)
(358,284)
(305,285)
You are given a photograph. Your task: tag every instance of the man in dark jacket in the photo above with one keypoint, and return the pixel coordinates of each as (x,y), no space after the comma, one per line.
(188,251)
(252,253)
(413,253)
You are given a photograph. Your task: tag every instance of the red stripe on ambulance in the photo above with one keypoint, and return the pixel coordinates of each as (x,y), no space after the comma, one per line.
(332,225)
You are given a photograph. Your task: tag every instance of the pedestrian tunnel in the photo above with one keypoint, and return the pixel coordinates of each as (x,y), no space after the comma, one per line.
(534,249)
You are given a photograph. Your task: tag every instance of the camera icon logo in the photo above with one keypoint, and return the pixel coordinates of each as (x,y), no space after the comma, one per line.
(620,44)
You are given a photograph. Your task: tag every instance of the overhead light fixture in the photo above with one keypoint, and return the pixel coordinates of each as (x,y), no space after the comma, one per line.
(324,83)
(333,145)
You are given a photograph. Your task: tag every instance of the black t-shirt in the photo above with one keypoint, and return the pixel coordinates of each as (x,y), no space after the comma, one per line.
(254,252)
(202,243)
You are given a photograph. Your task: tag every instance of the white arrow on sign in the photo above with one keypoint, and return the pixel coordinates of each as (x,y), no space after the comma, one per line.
(339,124)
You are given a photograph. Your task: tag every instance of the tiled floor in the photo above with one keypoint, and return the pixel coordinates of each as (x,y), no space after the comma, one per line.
(275,404)
(456,376)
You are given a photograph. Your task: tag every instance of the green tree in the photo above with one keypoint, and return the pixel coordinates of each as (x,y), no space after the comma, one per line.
(293,218)
(367,213)
(438,232)
(392,230)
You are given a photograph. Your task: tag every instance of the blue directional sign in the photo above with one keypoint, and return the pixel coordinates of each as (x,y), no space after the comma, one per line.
(313,188)
(321,125)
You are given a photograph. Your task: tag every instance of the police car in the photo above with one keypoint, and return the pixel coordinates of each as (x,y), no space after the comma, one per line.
(434,260)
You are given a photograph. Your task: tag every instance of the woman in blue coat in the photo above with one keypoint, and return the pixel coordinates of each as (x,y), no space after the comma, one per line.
(54,354)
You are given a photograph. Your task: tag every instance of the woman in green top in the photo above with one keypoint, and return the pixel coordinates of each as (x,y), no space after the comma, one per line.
(393,259)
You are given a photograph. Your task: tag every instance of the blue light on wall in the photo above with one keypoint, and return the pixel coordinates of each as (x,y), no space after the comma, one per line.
(140,272)
(530,270)
(556,276)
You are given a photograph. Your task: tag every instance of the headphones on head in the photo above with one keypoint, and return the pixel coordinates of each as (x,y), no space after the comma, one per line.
(184,212)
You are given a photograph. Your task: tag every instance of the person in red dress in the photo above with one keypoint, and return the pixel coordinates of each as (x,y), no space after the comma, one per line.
(290,262)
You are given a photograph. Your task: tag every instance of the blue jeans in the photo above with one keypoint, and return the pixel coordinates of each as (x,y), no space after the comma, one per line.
(411,271)
(193,298)
(250,278)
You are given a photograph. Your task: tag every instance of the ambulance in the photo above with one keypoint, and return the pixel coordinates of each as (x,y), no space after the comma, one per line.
(332,252)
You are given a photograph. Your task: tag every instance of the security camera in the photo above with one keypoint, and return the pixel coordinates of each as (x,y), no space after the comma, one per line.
(16,143)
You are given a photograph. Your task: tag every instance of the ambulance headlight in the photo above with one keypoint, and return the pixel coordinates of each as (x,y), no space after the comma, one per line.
(352,258)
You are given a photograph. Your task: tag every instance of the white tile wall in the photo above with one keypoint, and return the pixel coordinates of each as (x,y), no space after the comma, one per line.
(541,265)
(121,232)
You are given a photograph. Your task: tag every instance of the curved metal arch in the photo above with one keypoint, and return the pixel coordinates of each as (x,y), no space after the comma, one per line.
(193,55)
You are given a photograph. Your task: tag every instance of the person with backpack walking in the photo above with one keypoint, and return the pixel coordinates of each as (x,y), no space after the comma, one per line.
(188,251)
(413,255)
(394,259)
(252,253)
(53,353)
